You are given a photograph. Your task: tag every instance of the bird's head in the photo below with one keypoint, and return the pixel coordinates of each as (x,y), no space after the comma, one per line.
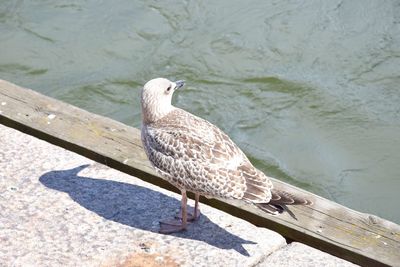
(156,98)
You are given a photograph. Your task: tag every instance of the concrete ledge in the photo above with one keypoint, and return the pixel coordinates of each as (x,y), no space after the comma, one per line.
(297,254)
(61,209)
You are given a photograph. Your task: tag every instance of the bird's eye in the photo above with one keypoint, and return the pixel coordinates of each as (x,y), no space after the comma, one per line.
(168,89)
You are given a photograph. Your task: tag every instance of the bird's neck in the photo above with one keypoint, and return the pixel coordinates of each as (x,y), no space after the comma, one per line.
(153,112)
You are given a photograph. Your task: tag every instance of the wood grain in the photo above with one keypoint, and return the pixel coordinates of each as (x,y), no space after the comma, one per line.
(361,238)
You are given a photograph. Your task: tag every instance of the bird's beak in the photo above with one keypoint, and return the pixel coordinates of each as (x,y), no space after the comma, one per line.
(179,84)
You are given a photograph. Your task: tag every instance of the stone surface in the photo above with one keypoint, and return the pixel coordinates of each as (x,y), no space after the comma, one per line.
(58,208)
(298,254)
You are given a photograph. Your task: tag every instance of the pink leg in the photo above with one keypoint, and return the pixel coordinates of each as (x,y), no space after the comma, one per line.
(176,225)
(195,214)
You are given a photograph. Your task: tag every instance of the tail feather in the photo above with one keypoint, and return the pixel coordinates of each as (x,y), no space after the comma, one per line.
(270,208)
(279,197)
(279,200)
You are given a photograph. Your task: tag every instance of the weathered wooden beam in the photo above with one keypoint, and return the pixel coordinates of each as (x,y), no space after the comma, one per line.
(361,238)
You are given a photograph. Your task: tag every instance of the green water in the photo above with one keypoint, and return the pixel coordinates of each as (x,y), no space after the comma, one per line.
(310,90)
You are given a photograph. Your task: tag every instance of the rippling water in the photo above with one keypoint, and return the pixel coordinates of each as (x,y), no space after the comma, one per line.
(309,89)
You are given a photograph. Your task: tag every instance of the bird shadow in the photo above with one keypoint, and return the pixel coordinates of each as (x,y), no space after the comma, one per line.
(136,206)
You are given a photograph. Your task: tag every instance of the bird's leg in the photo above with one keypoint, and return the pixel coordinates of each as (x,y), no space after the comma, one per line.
(176,225)
(195,214)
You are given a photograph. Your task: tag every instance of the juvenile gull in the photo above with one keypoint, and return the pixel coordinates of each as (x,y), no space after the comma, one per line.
(195,155)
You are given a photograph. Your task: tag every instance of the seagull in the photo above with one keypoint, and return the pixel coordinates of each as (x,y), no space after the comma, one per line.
(196,156)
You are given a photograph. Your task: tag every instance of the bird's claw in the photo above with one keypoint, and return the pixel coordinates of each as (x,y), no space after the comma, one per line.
(171,226)
(191,217)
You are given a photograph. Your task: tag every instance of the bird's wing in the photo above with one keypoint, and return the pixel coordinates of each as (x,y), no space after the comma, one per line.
(196,155)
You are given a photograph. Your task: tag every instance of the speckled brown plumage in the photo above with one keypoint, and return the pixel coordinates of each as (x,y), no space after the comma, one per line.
(195,155)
